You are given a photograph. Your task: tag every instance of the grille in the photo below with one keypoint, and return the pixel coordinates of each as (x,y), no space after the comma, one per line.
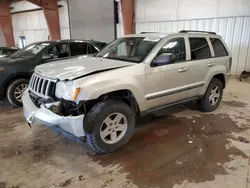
(43,87)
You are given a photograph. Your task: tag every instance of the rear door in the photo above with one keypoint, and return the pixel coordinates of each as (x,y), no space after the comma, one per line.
(200,61)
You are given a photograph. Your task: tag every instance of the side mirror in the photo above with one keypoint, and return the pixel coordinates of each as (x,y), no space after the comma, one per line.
(47,57)
(163,59)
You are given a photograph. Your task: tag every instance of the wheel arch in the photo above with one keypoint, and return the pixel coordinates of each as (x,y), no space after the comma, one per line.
(216,74)
(125,95)
(220,77)
(13,78)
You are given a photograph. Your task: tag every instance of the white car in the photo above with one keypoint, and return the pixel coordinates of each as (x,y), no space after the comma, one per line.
(95,99)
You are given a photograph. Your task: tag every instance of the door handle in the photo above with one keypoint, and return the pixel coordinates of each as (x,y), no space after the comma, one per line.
(210,64)
(182,70)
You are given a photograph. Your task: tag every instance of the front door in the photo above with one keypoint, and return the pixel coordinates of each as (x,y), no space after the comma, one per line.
(168,83)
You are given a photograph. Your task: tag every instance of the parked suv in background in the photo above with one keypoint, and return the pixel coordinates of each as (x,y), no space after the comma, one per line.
(16,70)
(7,51)
(96,99)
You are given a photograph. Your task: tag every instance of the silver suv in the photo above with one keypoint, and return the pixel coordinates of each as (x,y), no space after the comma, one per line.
(95,99)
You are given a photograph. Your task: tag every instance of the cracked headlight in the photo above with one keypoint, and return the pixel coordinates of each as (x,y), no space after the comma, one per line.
(67,90)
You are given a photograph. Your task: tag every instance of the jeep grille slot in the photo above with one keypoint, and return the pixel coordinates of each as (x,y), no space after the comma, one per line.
(43,87)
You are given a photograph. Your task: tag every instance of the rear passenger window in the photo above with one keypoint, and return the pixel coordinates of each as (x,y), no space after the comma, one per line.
(91,49)
(199,48)
(79,48)
(100,45)
(219,48)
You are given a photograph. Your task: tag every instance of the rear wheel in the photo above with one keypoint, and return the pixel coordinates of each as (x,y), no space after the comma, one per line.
(213,96)
(109,125)
(15,91)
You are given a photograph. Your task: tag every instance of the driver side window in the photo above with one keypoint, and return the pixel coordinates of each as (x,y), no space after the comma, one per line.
(59,51)
(177,48)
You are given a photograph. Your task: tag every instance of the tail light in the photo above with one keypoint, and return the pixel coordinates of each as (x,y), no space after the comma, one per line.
(230,62)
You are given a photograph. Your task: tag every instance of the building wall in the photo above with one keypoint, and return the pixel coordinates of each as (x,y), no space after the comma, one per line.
(92,19)
(165,10)
(33,25)
(228,18)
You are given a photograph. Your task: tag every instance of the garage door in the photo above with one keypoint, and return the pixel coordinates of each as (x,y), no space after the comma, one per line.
(92,19)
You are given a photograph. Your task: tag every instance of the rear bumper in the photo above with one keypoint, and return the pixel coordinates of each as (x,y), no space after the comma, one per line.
(227,77)
(70,126)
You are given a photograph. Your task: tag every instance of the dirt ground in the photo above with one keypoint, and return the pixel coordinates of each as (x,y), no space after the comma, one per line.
(176,147)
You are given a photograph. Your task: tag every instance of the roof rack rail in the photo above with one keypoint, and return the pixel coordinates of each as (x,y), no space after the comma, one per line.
(195,31)
(147,32)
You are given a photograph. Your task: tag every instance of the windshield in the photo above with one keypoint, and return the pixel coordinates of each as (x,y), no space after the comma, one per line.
(133,49)
(30,50)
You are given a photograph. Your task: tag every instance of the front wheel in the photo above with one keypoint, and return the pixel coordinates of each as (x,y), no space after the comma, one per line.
(108,126)
(213,96)
(15,91)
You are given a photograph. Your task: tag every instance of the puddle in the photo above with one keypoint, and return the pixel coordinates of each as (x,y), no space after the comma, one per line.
(241,139)
(4,185)
(235,104)
(167,151)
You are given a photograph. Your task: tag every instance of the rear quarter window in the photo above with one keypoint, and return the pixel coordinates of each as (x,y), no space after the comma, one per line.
(219,48)
(79,48)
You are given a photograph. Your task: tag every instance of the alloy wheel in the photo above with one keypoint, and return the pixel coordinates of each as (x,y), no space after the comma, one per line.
(18,92)
(113,128)
(214,95)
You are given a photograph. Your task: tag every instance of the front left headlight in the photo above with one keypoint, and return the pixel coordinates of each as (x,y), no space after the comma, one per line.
(67,90)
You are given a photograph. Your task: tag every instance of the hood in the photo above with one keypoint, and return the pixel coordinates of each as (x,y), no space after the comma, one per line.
(74,68)
(9,61)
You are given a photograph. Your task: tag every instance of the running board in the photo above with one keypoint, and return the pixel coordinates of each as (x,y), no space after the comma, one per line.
(168,105)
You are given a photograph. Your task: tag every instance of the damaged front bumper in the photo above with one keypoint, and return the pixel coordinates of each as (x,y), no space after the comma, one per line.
(70,126)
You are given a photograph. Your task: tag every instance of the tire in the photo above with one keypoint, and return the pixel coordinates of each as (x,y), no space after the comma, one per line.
(11,91)
(94,123)
(206,102)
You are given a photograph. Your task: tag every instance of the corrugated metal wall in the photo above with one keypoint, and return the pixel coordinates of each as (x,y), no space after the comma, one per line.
(234,30)
(33,25)
(167,10)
